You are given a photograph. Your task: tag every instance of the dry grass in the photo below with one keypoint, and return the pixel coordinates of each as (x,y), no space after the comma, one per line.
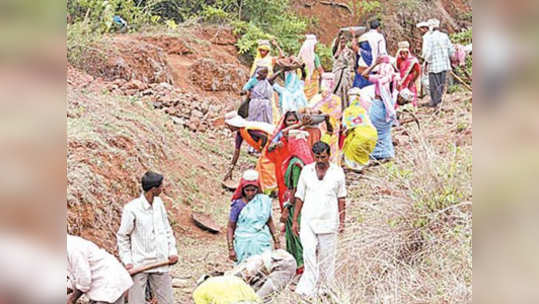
(409,223)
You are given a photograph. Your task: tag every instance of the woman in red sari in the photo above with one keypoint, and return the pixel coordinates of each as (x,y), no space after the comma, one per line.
(409,70)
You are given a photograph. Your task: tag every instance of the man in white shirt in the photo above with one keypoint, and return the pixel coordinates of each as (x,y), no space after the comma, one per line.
(320,197)
(94,272)
(145,237)
(376,40)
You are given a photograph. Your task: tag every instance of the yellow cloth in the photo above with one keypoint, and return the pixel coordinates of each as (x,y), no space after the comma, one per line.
(332,107)
(361,138)
(311,89)
(267,61)
(224,290)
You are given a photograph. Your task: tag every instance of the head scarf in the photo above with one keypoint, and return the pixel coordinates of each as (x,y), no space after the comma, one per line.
(264,45)
(249,178)
(382,80)
(306,54)
(403,46)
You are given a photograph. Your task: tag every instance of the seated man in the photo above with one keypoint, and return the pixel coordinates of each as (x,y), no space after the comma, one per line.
(264,274)
(95,272)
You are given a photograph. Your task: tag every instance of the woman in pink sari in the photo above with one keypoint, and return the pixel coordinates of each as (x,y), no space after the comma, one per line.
(409,70)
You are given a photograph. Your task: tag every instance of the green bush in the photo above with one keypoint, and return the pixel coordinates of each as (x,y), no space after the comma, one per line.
(464,37)
(98,14)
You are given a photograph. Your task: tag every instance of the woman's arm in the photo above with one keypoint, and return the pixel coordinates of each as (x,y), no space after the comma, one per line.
(368,70)
(281,53)
(230,240)
(233,164)
(273,231)
(272,78)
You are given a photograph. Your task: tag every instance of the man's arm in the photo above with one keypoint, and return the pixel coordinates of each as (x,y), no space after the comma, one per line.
(171,240)
(341,194)
(300,196)
(123,237)
(81,275)
(74,296)
(342,213)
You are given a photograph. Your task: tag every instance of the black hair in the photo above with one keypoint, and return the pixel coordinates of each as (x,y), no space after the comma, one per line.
(243,190)
(151,180)
(288,113)
(374,24)
(321,147)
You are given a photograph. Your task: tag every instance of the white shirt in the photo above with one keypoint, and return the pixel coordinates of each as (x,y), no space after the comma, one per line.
(320,210)
(437,51)
(377,43)
(145,236)
(94,271)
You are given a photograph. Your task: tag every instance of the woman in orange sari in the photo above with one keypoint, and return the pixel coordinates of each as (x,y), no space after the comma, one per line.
(256,135)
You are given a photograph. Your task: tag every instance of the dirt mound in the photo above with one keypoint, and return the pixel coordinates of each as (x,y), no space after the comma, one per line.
(215,76)
(399,18)
(112,140)
(171,45)
(119,57)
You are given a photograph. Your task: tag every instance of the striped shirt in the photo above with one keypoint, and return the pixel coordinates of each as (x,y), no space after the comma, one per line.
(437,51)
(145,235)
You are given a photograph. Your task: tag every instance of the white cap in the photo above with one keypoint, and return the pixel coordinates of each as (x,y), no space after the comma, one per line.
(232,118)
(250,175)
(423,24)
(433,23)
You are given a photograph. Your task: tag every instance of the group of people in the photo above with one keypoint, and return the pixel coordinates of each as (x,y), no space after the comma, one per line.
(146,246)
(306,130)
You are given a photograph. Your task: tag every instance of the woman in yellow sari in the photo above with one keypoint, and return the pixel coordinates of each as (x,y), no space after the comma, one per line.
(313,68)
(330,104)
(360,134)
(265,59)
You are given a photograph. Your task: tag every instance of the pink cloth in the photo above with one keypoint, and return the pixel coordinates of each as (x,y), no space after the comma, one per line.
(406,67)
(459,57)
(306,54)
(385,75)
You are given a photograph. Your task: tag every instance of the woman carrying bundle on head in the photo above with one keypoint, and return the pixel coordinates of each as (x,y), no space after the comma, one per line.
(313,68)
(330,104)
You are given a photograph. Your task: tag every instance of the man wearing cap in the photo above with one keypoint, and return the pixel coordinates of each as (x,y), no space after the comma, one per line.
(256,134)
(145,237)
(437,50)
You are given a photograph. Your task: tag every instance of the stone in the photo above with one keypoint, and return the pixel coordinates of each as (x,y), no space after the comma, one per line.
(135,84)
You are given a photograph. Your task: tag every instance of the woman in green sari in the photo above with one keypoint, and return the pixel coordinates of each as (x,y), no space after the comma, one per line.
(301,155)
